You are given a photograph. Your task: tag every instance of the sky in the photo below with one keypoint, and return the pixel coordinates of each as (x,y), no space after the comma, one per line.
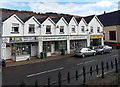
(74,7)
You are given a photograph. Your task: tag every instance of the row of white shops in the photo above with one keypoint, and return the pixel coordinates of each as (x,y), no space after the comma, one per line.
(23,48)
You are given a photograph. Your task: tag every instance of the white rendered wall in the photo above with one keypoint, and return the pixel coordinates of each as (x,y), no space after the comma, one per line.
(26,28)
(62,23)
(7,27)
(43,27)
(72,22)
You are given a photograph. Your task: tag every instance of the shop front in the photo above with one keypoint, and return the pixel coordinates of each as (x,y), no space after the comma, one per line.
(21,48)
(54,45)
(77,42)
(96,40)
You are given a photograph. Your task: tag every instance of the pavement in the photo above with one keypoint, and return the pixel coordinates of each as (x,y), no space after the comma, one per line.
(111,79)
(10,63)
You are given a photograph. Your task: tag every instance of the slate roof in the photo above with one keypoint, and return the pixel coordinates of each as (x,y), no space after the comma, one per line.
(78,20)
(88,18)
(56,19)
(110,19)
(41,20)
(68,18)
(5,16)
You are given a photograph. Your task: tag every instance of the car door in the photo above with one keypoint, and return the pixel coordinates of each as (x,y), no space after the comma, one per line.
(87,52)
(90,51)
(104,49)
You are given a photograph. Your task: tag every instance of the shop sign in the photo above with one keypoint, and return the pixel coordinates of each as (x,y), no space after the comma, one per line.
(95,37)
(23,39)
(78,37)
(15,39)
(54,38)
(27,39)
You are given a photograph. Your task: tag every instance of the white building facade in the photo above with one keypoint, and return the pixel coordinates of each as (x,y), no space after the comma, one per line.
(24,39)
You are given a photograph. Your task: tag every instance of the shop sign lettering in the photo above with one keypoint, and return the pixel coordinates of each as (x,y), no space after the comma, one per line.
(23,39)
(54,38)
(78,37)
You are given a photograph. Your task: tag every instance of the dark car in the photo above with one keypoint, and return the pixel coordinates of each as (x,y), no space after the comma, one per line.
(2,62)
(103,49)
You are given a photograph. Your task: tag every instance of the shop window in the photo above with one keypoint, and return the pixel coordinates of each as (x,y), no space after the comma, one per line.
(83,29)
(20,49)
(61,29)
(46,46)
(73,28)
(48,29)
(112,35)
(91,29)
(15,28)
(31,28)
(98,29)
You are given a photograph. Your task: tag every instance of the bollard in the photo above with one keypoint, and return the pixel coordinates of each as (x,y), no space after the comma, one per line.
(68,77)
(116,65)
(107,65)
(97,70)
(59,79)
(22,84)
(48,81)
(111,64)
(84,76)
(36,83)
(76,75)
(102,66)
(91,70)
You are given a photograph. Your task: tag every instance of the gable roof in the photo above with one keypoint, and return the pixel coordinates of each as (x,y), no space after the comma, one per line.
(24,17)
(56,19)
(68,18)
(88,18)
(41,20)
(110,19)
(78,19)
(5,16)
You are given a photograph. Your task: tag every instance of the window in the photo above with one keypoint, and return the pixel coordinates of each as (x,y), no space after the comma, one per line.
(48,29)
(31,28)
(15,28)
(83,29)
(112,35)
(73,28)
(91,29)
(98,29)
(61,29)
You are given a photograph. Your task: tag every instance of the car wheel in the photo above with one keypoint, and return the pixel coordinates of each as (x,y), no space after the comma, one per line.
(102,53)
(110,51)
(83,55)
(94,54)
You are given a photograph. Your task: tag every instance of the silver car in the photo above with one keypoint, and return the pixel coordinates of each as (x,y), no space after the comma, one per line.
(85,52)
(103,49)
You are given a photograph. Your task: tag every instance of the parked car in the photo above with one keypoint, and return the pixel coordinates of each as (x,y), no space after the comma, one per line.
(2,62)
(103,49)
(84,52)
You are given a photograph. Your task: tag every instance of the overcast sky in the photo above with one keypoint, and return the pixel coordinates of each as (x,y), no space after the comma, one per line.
(74,7)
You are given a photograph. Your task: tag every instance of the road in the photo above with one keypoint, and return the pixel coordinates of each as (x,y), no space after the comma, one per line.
(41,71)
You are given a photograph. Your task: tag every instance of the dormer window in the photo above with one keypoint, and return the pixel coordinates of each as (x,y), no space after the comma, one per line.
(98,29)
(48,29)
(61,29)
(91,29)
(31,28)
(82,29)
(73,28)
(15,28)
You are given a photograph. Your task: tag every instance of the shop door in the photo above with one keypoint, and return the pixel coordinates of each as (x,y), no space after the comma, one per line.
(52,48)
(33,50)
(8,52)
